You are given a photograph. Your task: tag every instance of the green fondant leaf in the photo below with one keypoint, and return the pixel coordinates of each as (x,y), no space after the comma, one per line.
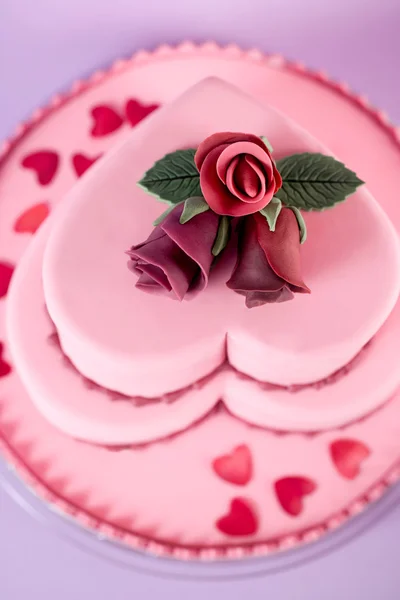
(193,206)
(173,178)
(315,181)
(267,143)
(222,236)
(301,223)
(271,212)
(161,218)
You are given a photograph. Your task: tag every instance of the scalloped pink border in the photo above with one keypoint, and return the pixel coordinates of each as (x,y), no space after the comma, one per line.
(103,528)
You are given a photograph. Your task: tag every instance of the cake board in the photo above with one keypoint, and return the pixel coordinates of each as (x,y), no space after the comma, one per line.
(98,546)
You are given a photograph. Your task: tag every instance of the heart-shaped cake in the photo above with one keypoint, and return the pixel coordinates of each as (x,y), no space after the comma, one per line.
(304,365)
(206,321)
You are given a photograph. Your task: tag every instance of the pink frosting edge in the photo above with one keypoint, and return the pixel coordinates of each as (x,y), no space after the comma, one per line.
(176,395)
(85,519)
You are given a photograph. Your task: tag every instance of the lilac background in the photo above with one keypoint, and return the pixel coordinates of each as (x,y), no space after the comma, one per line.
(44,46)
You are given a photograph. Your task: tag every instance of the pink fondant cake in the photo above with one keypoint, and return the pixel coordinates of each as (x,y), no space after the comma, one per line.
(112,366)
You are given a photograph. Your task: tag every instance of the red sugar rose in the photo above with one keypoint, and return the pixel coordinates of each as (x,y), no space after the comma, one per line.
(268,268)
(237,174)
(176,258)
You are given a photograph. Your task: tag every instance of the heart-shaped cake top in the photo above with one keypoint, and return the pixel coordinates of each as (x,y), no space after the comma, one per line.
(148,345)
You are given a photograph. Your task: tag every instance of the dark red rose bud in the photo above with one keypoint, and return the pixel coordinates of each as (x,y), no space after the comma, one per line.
(268,265)
(176,258)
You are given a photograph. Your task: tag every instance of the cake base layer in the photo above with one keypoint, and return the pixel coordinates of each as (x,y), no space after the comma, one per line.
(324,478)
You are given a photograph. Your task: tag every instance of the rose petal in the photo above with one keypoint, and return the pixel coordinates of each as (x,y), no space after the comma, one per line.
(152,275)
(229,177)
(248,178)
(252,276)
(195,238)
(244,181)
(217,195)
(146,280)
(223,174)
(160,251)
(248,149)
(147,284)
(227,137)
(254,299)
(282,248)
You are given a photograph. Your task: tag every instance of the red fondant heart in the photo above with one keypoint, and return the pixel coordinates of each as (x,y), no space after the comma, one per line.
(6,271)
(5,368)
(347,456)
(135,111)
(44,162)
(106,120)
(240,520)
(290,492)
(82,163)
(31,219)
(236,467)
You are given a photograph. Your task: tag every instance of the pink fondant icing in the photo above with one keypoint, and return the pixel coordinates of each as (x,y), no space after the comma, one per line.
(140,345)
(172,397)
(191,339)
(71,475)
(90,415)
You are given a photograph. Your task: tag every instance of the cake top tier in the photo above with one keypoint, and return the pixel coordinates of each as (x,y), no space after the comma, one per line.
(147,345)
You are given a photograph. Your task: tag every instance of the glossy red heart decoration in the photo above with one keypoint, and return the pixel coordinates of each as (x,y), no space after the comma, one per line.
(6,271)
(290,492)
(106,120)
(5,368)
(135,111)
(81,163)
(44,163)
(31,219)
(240,520)
(235,467)
(347,456)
